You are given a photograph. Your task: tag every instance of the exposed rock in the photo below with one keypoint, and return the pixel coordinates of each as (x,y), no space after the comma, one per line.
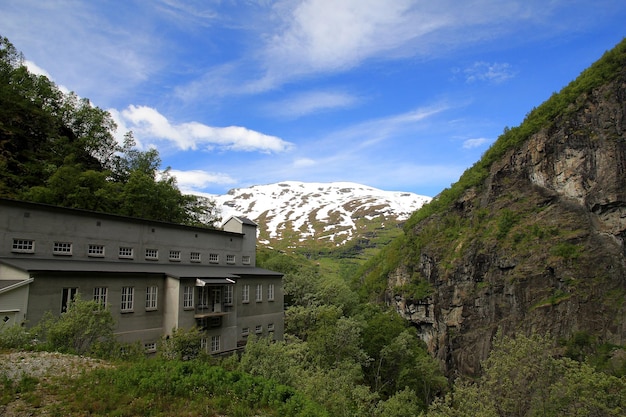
(556,264)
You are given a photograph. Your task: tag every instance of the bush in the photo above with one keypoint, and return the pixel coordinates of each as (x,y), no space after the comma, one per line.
(15,337)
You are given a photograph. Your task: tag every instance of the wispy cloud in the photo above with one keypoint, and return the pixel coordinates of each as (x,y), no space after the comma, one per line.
(311,102)
(496,72)
(474,143)
(194,181)
(148,125)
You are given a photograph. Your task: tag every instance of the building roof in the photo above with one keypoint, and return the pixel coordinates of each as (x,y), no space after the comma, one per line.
(33,266)
(11,284)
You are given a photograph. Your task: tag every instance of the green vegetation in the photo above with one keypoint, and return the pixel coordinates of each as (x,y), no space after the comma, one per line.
(522,377)
(59,149)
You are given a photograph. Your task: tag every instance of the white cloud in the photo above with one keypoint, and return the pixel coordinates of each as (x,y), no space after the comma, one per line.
(303,163)
(496,72)
(474,143)
(148,124)
(312,102)
(196,180)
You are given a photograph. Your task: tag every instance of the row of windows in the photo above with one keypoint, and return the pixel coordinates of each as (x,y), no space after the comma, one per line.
(245,293)
(213,294)
(215,346)
(124,252)
(245,332)
(127,302)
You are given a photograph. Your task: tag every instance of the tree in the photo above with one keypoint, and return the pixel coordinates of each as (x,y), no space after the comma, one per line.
(79,329)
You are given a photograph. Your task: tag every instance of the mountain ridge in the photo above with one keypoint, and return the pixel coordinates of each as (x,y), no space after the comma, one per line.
(290,213)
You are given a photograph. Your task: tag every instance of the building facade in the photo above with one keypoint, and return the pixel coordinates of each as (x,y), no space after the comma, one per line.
(153,276)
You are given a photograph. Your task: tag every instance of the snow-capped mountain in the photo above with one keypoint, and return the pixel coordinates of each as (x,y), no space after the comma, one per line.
(334,213)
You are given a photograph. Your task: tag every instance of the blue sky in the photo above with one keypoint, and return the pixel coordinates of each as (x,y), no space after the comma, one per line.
(395,94)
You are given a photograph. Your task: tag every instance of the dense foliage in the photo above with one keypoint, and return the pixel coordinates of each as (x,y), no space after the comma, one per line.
(59,149)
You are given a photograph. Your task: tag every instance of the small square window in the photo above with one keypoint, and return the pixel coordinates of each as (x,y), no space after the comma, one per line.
(152,254)
(245,259)
(95,251)
(270,327)
(214,258)
(245,331)
(175,255)
(258,329)
(194,256)
(62,248)
(150,347)
(23,245)
(126,252)
(230,259)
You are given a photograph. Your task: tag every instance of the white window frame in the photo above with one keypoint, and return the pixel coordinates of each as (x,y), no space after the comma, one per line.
(245,293)
(23,246)
(270,292)
(126,252)
(188,297)
(152,254)
(195,257)
(270,327)
(100,295)
(245,259)
(152,293)
(150,347)
(228,295)
(216,345)
(258,329)
(245,332)
(214,258)
(62,248)
(95,250)
(128,295)
(174,256)
(230,259)
(259,293)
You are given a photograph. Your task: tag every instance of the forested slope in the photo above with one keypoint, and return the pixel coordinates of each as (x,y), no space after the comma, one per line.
(530,240)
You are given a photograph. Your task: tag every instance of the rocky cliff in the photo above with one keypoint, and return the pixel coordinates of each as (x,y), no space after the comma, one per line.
(537,243)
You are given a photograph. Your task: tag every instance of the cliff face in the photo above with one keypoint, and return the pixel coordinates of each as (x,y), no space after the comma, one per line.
(538,247)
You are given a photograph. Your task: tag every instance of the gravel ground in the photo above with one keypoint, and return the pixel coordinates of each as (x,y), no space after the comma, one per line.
(43,366)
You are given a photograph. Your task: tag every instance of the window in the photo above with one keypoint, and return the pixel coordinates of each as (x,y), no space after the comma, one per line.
(62,248)
(188,297)
(203,344)
(245,332)
(270,292)
(214,258)
(228,295)
(95,250)
(126,252)
(175,255)
(259,293)
(127,299)
(23,245)
(215,344)
(152,254)
(230,259)
(68,296)
(245,259)
(195,257)
(100,295)
(151,297)
(203,297)
(150,347)
(245,294)
(258,329)
(270,327)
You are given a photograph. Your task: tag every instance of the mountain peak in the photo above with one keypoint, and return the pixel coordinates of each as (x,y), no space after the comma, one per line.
(290,212)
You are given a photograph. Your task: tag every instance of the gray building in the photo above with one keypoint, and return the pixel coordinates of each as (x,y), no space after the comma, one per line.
(153,276)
